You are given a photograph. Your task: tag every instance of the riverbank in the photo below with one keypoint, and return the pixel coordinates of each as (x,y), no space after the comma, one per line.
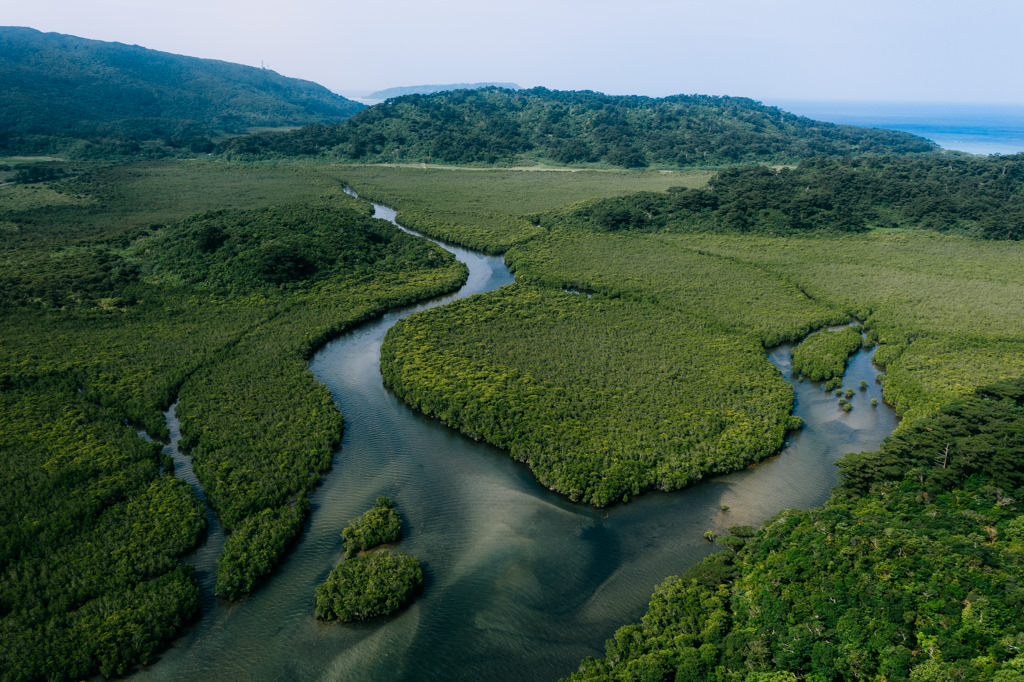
(513,572)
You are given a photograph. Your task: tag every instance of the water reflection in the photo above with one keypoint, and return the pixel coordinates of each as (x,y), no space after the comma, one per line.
(520,584)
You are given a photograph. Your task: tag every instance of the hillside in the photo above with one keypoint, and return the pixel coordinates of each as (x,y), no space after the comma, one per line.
(121,97)
(538,125)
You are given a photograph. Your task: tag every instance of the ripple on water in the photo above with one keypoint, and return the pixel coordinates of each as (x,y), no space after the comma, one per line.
(520,583)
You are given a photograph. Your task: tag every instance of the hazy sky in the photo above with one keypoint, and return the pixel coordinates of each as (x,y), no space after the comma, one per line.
(884,50)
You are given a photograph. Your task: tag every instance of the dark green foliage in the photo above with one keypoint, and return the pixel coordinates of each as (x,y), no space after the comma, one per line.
(256,545)
(507,126)
(979,435)
(972,195)
(912,570)
(376,526)
(100,329)
(823,356)
(93,99)
(92,537)
(109,634)
(289,244)
(367,586)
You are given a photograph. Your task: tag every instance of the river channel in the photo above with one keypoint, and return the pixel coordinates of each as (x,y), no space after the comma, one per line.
(520,584)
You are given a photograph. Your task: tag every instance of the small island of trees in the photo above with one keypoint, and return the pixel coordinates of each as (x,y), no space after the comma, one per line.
(369,585)
(376,526)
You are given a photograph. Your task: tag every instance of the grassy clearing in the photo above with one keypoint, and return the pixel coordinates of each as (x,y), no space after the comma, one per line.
(487,209)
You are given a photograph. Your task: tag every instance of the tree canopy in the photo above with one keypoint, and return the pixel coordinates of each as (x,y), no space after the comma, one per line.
(912,571)
(978,196)
(492,125)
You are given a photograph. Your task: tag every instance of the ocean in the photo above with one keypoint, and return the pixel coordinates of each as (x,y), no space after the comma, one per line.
(973,128)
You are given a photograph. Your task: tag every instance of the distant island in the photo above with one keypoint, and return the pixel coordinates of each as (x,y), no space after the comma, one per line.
(388,93)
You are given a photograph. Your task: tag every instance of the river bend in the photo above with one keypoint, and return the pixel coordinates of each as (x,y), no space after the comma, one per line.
(520,583)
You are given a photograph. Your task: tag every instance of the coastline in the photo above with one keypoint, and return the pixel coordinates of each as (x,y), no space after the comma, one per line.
(981,129)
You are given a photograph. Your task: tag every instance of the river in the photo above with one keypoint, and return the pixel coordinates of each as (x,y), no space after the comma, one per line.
(520,583)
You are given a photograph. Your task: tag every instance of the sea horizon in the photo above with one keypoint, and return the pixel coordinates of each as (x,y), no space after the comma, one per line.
(982,129)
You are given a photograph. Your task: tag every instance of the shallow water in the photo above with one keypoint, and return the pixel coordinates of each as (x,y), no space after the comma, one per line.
(520,583)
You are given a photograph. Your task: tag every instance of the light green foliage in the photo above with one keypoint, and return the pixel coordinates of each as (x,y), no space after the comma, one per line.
(912,571)
(367,586)
(945,310)
(489,210)
(670,273)
(601,397)
(376,526)
(823,356)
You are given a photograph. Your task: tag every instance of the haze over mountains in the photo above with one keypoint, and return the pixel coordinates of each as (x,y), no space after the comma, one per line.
(82,98)
(115,94)
(388,93)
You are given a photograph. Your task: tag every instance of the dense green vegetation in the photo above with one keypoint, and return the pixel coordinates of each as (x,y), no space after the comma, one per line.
(494,126)
(367,586)
(92,537)
(912,571)
(943,309)
(376,526)
(94,99)
(256,545)
(978,196)
(628,356)
(823,356)
(123,287)
(602,398)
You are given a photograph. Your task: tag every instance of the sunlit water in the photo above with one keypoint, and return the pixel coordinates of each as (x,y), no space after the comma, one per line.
(520,583)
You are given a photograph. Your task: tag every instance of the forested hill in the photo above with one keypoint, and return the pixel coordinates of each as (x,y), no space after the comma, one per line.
(120,97)
(976,196)
(493,125)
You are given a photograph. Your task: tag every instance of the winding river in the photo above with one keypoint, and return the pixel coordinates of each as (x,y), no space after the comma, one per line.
(520,583)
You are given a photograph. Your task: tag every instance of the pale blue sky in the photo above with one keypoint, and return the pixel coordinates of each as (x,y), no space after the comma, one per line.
(878,50)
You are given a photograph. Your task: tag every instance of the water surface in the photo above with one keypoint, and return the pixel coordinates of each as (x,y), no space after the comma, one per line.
(973,128)
(520,583)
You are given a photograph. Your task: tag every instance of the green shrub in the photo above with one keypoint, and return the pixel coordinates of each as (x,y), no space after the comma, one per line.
(366,586)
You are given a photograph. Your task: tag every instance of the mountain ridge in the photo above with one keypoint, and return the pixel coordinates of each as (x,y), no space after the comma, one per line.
(506,127)
(388,93)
